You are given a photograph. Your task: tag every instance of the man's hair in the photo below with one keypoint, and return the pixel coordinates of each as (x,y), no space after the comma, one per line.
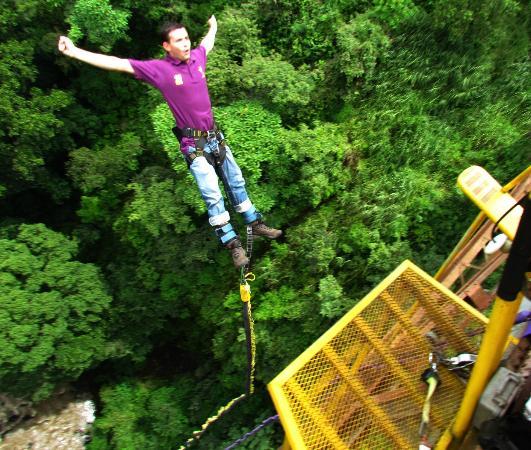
(167,28)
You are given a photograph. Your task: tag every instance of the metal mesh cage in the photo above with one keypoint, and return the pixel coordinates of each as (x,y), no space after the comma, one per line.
(359,385)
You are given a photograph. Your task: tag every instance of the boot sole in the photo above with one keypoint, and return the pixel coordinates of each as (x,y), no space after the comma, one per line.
(268,237)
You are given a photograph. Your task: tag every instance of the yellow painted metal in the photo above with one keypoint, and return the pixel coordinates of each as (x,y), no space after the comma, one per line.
(478,221)
(517,180)
(359,386)
(490,353)
(493,201)
(490,197)
(444,442)
(285,445)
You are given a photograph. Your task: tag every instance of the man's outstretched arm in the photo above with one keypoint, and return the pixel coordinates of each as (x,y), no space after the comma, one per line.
(67,47)
(208,40)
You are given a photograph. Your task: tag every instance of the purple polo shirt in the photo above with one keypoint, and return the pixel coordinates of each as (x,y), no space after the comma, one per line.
(184,87)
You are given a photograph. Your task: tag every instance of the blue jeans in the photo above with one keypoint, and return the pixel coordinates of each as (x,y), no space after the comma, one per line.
(207,180)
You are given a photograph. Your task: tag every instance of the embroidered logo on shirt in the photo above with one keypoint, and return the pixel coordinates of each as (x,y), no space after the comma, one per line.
(201,71)
(178,79)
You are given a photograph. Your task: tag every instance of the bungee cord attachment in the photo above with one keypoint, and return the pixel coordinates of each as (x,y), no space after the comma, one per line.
(245,295)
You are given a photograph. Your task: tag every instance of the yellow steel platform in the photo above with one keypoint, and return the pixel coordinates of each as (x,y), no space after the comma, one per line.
(359,385)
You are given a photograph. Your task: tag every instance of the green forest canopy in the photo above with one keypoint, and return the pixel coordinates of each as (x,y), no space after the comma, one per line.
(351,120)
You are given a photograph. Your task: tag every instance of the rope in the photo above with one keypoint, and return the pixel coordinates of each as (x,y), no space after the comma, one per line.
(196,435)
(432,385)
(248,323)
(251,433)
(245,294)
(251,346)
(431,377)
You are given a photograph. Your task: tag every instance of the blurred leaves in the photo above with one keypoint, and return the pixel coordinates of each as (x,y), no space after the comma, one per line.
(99,22)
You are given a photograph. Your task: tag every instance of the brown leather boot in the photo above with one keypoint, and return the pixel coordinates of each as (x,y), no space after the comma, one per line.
(261,229)
(238,253)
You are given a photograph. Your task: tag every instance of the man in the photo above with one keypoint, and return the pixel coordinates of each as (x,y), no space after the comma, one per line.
(181,79)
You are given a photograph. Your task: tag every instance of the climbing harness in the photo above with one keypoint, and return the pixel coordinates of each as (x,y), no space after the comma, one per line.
(194,132)
(200,137)
(431,377)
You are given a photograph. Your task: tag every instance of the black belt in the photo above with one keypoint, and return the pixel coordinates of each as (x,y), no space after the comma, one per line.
(194,133)
(200,137)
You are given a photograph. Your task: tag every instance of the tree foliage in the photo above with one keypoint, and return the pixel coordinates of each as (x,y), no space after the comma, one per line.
(99,22)
(351,122)
(53,312)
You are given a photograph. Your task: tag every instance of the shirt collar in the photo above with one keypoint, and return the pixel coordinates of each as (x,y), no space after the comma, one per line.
(176,61)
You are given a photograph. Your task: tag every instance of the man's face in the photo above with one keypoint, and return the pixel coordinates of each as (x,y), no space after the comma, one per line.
(178,44)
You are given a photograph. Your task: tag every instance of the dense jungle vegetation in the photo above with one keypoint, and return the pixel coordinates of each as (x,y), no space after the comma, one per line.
(351,120)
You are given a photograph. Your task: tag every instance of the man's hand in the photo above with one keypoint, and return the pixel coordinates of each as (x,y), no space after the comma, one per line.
(66,46)
(208,40)
(212,22)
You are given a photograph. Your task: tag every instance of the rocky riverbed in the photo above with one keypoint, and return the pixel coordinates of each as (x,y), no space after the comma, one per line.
(60,423)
